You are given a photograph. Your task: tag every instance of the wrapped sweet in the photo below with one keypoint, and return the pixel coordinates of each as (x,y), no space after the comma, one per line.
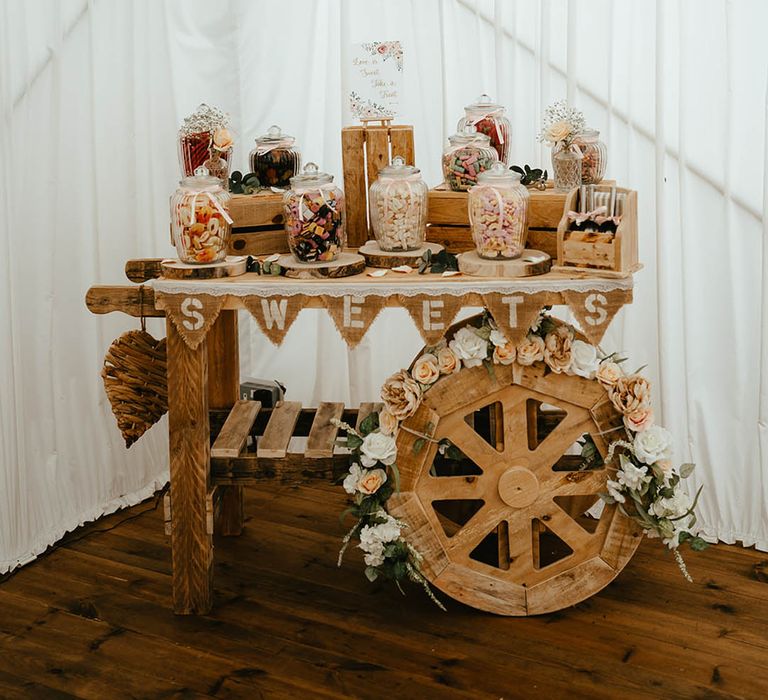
(206,140)
(314,216)
(488,118)
(469,154)
(275,160)
(498,214)
(200,219)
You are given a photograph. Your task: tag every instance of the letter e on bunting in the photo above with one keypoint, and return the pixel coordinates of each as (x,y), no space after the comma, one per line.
(353,315)
(275,315)
(192,314)
(514,313)
(432,315)
(595,310)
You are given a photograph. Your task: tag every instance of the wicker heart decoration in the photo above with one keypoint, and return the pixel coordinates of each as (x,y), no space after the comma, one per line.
(135,380)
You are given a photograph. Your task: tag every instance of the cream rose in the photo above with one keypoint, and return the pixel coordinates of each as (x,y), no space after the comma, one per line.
(469,347)
(653,444)
(447,362)
(371,481)
(559,131)
(426,369)
(222,139)
(530,350)
(631,393)
(674,507)
(583,359)
(353,478)
(498,338)
(557,349)
(387,422)
(401,395)
(378,447)
(608,373)
(504,354)
(639,420)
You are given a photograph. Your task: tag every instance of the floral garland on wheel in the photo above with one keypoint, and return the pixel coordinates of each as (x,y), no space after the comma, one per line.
(646,486)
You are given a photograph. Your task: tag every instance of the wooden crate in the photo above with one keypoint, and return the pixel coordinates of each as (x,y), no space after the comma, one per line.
(617,257)
(365,150)
(258,224)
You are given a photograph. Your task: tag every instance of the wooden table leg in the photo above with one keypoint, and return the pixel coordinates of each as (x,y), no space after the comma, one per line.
(191,507)
(223,392)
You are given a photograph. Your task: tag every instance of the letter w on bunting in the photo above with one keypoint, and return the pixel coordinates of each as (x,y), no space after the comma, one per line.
(515,313)
(353,315)
(432,315)
(275,315)
(595,310)
(192,314)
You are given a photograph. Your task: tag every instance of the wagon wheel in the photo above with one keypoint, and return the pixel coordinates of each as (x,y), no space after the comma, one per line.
(504,532)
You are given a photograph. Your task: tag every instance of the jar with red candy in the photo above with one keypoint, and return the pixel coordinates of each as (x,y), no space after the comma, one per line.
(488,118)
(206,140)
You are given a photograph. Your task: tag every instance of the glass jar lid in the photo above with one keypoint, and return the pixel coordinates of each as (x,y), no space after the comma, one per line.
(469,134)
(201,180)
(310,175)
(498,174)
(485,104)
(275,137)
(398,169)
(588,135)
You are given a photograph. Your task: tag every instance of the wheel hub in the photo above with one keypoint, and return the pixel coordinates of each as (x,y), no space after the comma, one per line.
(518,487)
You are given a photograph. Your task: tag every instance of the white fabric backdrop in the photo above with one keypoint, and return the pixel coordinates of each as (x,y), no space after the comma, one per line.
(92,93)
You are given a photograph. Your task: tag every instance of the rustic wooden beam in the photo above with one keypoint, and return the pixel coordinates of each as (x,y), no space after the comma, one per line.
(134,301)
(251,469)
(143,269)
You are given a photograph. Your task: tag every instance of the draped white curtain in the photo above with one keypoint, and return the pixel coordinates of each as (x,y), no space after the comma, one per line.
(91,95)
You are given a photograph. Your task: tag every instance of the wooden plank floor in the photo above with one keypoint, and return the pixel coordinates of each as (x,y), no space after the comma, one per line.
(92,620)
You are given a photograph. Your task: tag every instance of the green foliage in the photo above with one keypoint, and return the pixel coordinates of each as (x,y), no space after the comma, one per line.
(438,263)
(369,424)
(244,184)
(530,176)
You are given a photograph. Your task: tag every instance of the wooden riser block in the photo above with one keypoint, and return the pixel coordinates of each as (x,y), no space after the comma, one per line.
(264,240)
(263,209)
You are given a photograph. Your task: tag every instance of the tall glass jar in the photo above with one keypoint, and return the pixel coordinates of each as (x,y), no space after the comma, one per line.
(275,160)
(488,118)
(314,216)
(398,204)
(468,155)
(566,166)
(200,219)
(594,156)
(498,213)
(205,140)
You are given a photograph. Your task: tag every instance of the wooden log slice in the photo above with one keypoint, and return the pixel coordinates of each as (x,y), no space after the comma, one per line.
(232,266)
(376,257)
(346,265)
(530,263)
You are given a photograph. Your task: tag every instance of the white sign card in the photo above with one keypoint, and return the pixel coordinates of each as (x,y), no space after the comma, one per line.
(376,80)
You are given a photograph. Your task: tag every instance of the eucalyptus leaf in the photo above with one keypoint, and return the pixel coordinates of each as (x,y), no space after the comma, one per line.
(369,423)
(371,573)
(686,469)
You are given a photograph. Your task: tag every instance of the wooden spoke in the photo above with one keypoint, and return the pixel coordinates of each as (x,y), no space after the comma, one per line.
(567,529)
(475,530)
(584,483)
(434,488)
(471,444)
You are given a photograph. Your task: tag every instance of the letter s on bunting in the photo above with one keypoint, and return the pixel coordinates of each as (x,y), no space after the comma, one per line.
(192,316)
(595,310)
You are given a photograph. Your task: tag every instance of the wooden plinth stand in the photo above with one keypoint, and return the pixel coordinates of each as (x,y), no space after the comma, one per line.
(376,257)
(346,265)
(530,263)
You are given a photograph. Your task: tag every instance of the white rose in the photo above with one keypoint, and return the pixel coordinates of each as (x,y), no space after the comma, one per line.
(530,350)
(583,359)
(469,347)
(653,444)
(674,507)
(614,490)
(350,481)
(608,373)
(389,530)
(498,338)
(378,447)
(631,476)
(387,422)
(426,369)
(447,361)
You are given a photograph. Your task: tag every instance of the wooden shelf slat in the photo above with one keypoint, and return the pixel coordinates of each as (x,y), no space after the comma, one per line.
(279,430)
(322,434)
(234,433)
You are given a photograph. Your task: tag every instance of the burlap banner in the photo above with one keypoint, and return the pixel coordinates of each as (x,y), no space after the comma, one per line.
(275,315)
(353,315)
(192,314)
(595,310)
(432,315)
(515,313)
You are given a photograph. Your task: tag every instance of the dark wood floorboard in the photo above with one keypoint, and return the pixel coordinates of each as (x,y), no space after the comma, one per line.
(91,619)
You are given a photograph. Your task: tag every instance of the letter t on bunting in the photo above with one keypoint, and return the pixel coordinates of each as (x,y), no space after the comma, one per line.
(432,315)
(353,315)
(275,315)
(514,313)
(192,314)
(595,310)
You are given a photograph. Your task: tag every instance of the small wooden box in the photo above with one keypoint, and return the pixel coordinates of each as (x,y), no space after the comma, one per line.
(258,224)
(617,257)
(448,219)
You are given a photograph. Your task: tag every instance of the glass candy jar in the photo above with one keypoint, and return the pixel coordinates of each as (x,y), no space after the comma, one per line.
(314,216)
(200,218)
(468,154)
(594,156)
(566,166)
(275,160)
(398,204)
(205,140)
(498,213)
(488,118)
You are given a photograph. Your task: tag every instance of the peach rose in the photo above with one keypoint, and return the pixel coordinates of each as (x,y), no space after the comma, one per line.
(504,354)
(530,350)
(371,481)
(639,420)
(222,139)
(401,395)
(666,466)
(447,362)
(387,422)
(426,369)
(608,373)
(558,131)
(630,394)
(557,349)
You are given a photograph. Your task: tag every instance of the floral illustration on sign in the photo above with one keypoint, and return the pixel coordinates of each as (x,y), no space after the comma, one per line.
(386,49)
(367,109)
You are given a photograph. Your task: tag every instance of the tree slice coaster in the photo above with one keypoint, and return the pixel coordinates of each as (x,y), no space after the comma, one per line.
(231,266)
(376,257)
(346,265)
(530,263)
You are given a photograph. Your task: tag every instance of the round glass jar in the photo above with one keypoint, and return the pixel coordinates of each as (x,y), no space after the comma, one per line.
(498,213)
(314,216)
(200,219)
(594,156)
(275,160)
(468,154)
(398,205)
(488,118)
(205,140)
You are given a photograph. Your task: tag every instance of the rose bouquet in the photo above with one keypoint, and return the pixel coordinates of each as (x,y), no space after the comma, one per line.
(561,124)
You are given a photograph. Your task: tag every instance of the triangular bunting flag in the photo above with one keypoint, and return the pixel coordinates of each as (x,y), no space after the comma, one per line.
(595,310)
(275,315)
(432,315)
(353,315)
(192,314)
(515,313)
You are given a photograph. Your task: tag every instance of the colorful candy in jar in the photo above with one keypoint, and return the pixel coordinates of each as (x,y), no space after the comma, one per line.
(200,219)
(498,214)
(594,156)
(314,216)
(398,203)
(468,155)
(205,140)
(275,160)
(488,118)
